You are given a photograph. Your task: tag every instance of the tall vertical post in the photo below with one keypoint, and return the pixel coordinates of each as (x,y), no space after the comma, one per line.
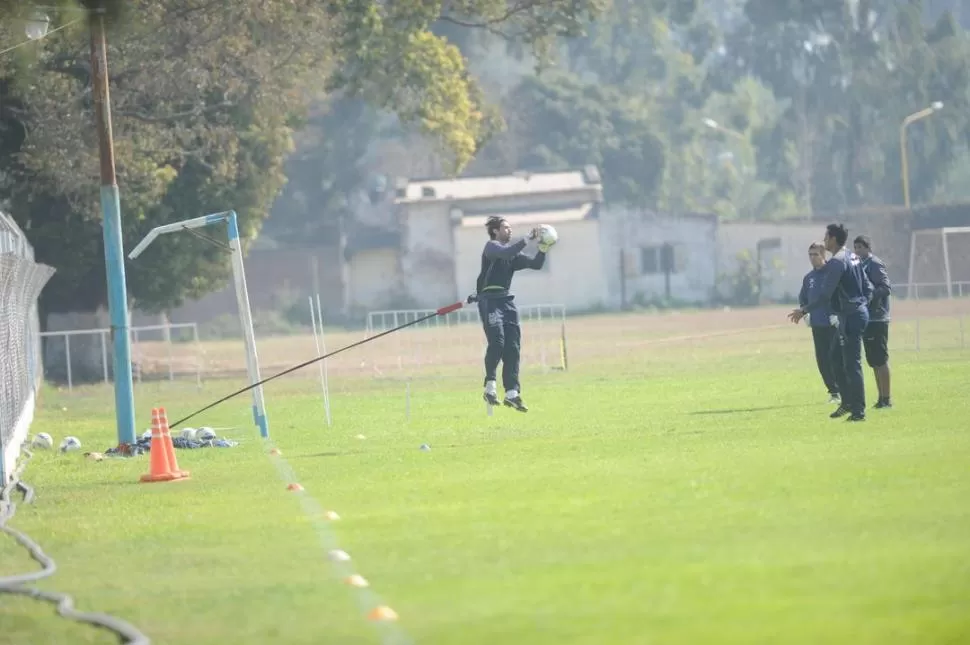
(904,163)
(111,226)
(946,265)
(246,322)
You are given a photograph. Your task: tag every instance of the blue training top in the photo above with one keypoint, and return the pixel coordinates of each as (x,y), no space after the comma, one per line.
(811,286)
(845,286)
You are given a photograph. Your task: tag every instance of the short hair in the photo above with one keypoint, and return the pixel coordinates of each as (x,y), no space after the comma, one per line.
(839,232)
(492,225)
(863,240)
(817,246)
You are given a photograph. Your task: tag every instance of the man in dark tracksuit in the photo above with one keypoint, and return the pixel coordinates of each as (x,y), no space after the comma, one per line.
(828,353)
(847,288)
(496,307)
(876,339)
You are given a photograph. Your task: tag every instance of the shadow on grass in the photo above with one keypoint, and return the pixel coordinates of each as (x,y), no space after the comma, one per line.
(317,455)
(743,410)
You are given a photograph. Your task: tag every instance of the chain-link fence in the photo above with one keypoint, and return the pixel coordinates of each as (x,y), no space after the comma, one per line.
(21,280)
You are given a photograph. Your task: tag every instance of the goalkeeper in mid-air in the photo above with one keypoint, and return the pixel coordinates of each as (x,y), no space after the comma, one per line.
(501,258)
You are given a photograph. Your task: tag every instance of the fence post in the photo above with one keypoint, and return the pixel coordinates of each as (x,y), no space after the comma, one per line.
(168,345)
(198,355)
(67,357)
(104,355)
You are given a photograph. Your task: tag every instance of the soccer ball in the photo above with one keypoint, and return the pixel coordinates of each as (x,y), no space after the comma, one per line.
(189,434)
(43,441)
(206,433)
(548,235)
(70,444)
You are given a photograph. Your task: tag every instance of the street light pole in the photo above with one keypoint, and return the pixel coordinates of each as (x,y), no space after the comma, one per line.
(904,161)
(112,232)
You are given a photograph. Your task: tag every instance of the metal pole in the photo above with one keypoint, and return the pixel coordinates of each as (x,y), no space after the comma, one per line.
(168,342)
(198,356)
(246,320)
(104,355)
(904,163)
(111,225)
(67,356)
(946,265)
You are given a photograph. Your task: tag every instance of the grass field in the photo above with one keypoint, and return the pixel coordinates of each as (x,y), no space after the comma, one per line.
(685,488)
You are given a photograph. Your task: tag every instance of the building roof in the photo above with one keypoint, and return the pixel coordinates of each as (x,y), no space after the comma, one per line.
(533,217)
(519,183)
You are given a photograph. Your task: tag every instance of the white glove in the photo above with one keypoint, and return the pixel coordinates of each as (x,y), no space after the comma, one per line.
(834,320)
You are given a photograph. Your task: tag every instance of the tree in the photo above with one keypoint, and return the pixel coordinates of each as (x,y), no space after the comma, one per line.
(571,124)
(850,73)
(205,95)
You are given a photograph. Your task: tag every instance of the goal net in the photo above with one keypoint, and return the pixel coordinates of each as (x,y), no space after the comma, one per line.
(458,339)
(939,263)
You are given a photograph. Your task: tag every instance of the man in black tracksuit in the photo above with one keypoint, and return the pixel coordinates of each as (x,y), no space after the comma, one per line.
(825,333)
(496,307)
(876,339)
(848,290)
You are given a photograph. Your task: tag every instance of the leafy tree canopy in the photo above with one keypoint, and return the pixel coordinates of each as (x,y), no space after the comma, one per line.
(205,97)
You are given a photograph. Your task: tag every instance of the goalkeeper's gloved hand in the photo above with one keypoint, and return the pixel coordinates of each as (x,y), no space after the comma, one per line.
(544,247)
(472,298)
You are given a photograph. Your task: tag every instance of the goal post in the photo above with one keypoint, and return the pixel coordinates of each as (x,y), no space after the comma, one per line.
(931,264)
(242,296)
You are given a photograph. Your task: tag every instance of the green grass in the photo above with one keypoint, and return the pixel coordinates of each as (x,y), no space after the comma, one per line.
(689,493)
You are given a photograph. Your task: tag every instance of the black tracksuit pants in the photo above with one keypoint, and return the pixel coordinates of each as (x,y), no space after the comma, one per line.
(500,318)
(828,357)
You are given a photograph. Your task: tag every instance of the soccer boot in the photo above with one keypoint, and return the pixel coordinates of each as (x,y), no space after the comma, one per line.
(883,403)
(855,416)
(515,401)
(841,411)
(490,395)
(835,398)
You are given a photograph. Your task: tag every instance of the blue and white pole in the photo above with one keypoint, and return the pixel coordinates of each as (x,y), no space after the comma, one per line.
(242,298)
(113,246)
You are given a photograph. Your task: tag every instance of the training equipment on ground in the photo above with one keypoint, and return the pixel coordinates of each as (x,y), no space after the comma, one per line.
(163,465)
(443,311)
(43,441)
(70,444)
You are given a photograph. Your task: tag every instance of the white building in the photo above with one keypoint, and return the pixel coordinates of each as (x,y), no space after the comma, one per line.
(605,256)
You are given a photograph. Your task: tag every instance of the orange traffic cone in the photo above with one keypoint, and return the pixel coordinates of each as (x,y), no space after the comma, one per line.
(159,470)
(170,447)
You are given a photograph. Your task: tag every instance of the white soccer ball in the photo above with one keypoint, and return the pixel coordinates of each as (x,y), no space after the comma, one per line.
(206,433)
(548,235)
(43,441)
(189,434)
(70,444)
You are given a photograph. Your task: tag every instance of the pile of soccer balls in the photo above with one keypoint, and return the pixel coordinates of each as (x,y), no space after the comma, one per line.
(44,441)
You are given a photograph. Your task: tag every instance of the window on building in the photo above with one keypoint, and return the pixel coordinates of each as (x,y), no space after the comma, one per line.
(660,258)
